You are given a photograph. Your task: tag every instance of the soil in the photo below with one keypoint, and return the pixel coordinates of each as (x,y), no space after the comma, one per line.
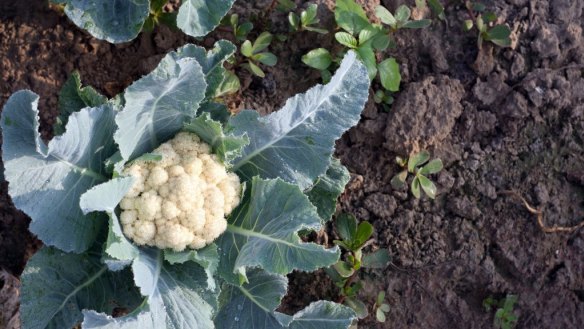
(500,119)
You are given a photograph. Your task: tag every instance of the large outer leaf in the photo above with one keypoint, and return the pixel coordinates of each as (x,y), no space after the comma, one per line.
(199,17)
(263,232)
(72,98)
(158,104)
(211,62)
(176,297)
(57,286)
(252,305)
(106,197)
(227,147)
(46,182)
(112,20)
(296,142)
(327,189)
(323,315)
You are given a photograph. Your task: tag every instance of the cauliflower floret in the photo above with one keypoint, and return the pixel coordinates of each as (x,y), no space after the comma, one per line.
(182,200)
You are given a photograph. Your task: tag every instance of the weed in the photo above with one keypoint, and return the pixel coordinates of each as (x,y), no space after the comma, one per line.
(354,237)
(504,316)
(414,166)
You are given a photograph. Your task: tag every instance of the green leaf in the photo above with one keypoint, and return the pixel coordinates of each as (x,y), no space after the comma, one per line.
(46,181)
(268,59)
(402,14)
(105,197)
(319,58)
(379,315)
(367,55)
(384,307)
(294,21)
(381,41)
(262,42)
(243,30)
(199,17)
(113,21)
(226,147)
(326,76)
(168,291)
(346,39)
(323,315)
(499,32)
(468,24)
(263,231)
(325,192)
(368,34)
(230,85)
(364,232)
(350,16)
(296,142)
(416,187)
(418,24)
(399,180)
(252,305)
(358,306)
(211,63)
(489,17)
(417,160)
(316,29)
(377,259)
(346,225)
(308,16)
(57,287)
(380,298)
(207,257)
(436,8)
(389,74)
(432,167)
(344,269)
(385,16)
(246,48)
(254,69)
(158,104)
(72,98)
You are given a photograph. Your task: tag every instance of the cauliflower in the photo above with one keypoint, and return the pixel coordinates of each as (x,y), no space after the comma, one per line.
(180,201)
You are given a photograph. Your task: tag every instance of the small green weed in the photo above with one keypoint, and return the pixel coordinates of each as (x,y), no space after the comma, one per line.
(504,316)
(354,237)
(415,165)
(368,40)
(484,21)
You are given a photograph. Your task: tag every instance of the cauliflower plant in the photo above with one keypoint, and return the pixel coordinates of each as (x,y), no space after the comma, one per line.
(182,200)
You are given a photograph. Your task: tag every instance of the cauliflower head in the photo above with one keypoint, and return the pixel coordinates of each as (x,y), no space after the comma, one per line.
(181,200)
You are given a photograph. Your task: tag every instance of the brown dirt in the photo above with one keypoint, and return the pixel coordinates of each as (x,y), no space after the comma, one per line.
(500,119)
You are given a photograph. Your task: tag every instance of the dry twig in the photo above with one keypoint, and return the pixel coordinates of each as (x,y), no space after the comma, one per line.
(539,213)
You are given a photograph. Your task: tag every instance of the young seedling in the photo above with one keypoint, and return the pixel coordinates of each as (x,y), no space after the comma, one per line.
(368,40)
(306,21)
(504,316)
(415,165)
(255,54)
(498,34)
(354,237)
(401,19)
(240,31)
(380,307)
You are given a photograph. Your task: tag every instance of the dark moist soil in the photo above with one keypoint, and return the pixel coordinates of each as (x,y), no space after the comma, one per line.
(500,118)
